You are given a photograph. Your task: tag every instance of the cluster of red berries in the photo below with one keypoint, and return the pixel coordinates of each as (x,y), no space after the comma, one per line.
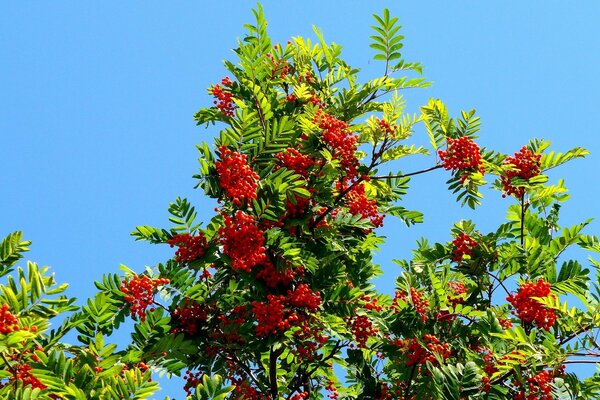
(275,315)
(457,289)
(273,277)
(190,248)
(304,297)
(463,246)
(139,292)
(236,177)
(8,321)
(506,323)
(419,302)
(229,326)
(358,204)
(192,379)
(22,373)
(489,366)
(462,154)
(386,128)
(308,77)
(271,315)
(316,101)
(539,385)
(244,391)
(224,98)
(384,393)
(300,396)
(311,340)
(362,329)
(280,68)
(298,209)
(525,165)
(337,135)
(530,310)
(189,318)
(295,161)
(333,392)
(371,303)
(242,241)
(421,351)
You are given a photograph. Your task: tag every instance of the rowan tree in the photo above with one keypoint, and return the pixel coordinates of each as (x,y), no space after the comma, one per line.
(265,299)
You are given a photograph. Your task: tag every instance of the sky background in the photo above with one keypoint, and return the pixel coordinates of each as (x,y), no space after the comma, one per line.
(97,98)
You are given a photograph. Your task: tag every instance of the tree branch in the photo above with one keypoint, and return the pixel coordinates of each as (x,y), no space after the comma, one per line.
(410,173)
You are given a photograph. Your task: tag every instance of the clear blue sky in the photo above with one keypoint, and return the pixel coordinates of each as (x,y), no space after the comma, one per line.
(96,125)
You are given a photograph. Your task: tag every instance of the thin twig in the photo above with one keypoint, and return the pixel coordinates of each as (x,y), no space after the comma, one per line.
(410,173)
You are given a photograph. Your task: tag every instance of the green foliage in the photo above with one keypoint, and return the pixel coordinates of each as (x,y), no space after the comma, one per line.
(36,362)
(274,296)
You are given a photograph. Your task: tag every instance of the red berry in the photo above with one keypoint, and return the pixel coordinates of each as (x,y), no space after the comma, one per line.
(8,321)
(525,165)
(242,241)
(337,135)
(362,329)
(462,154)
(236,177)
(530,310)
(139,292)
(224,99)
(190,248)
(418,301)
(463,246)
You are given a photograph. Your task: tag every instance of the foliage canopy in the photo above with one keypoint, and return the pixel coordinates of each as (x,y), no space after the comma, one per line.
(275,291)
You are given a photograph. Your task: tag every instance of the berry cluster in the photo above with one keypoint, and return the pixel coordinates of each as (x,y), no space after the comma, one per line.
(529,310)
(295,161)
(362,329)
(224,98)
(462,154)
(300,396)
(539,385)
(524,165)
(421,351)
(384,392)
(457,289)
(8,321)
(271,315)
(463,246)
(333,392)
(139,292)
(304,297)
(236,177)
(489,366)
(273,277)
(189,319)
(229,326)
(386,128)
(280,68)
(296,210)
(506,323)
(307,77)
(371,303)
(358,204)
(311,340)
(275,315)
(243,390)
(192,379)
(190,248)
(22,373)
(337,135)
(316,101)
(242,241)
(419,302)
